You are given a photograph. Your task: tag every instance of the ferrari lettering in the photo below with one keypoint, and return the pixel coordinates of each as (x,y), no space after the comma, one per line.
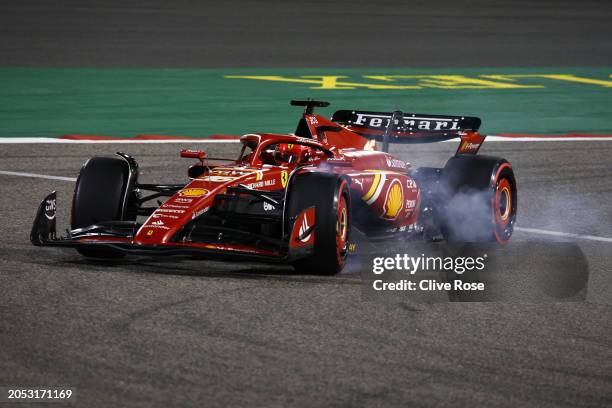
(410,123)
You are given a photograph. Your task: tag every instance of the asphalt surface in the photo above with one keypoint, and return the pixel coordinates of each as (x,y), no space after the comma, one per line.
(165,332)
(184,332)
(318,33)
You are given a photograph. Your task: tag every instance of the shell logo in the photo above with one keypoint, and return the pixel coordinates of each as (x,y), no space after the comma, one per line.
(394,200)
(193,192)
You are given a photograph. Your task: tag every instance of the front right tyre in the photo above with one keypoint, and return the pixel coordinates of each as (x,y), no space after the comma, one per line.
(103,192)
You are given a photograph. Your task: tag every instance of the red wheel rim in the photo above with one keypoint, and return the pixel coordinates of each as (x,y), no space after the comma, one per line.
(503,203)
(341,228)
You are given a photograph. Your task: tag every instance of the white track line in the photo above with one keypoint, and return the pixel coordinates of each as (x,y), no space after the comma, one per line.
(490,138)
(563,234)
(15,140)
(42,176)
(545,139)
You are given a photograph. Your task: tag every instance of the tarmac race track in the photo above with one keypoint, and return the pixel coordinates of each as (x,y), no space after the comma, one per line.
(169,332)
(175,332)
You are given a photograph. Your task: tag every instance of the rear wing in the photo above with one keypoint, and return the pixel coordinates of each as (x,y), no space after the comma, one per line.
(398,127)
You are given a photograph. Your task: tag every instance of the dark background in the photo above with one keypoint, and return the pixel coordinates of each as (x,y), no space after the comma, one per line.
(316,33)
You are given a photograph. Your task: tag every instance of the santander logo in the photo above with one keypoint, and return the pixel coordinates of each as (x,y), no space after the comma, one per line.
(303,228)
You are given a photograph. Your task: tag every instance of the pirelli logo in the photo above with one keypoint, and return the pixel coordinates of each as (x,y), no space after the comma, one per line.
(408,82)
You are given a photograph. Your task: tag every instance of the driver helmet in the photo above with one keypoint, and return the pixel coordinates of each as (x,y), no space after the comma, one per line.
(290,153)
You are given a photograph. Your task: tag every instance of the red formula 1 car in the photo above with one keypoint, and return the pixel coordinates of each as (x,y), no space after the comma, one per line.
(296,198)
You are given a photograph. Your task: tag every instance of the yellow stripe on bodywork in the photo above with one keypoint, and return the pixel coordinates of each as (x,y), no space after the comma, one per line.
(372,189)
(376,188)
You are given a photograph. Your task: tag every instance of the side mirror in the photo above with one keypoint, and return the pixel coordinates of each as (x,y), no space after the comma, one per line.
(194,154)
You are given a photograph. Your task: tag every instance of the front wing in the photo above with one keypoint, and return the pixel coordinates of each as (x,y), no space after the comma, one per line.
(117,236)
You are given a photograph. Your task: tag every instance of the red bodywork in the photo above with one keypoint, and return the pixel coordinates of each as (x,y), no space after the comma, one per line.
(380,183)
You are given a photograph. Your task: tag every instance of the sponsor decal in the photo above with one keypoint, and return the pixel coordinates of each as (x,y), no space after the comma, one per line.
(173,217)
(183,200)
(220,179)
(394,200)
(304,225)
(259,184)
(284,177)
(193,192)
(158,226)
(396,163)
(196,214)
(50,209)
(149,233)
(268,207)
(468,147)
(174,206)
(410,204)
(411,184)
(359,181)
(313,120)
(221,175)
(403,228)
(169,210)
(305,139)
(158,222)
(303,228)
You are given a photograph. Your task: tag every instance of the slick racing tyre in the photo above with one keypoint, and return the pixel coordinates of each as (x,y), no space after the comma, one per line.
(478,199)
(329,194)
(101,189)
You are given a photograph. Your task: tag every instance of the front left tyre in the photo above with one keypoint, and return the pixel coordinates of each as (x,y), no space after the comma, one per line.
(330,195)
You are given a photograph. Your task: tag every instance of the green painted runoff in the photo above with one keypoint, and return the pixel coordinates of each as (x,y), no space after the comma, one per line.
(199,102)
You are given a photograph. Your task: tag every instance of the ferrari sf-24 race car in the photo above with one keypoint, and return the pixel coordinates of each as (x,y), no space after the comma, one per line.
(296,198)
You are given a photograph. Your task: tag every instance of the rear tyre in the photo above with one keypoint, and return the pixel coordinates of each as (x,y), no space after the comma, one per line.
(478,199)
(330,195)
(101,190)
